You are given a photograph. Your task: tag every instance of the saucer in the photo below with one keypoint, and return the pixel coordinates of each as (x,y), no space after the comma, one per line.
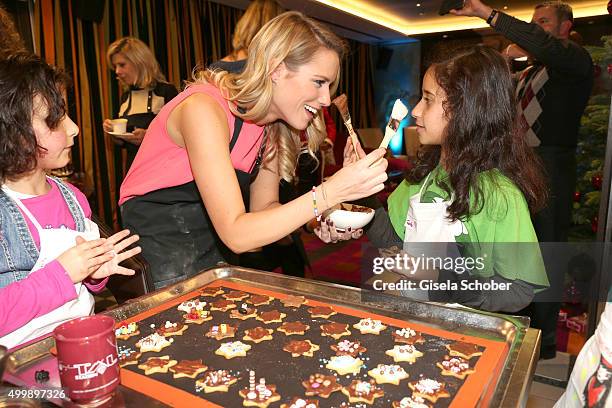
(118,134)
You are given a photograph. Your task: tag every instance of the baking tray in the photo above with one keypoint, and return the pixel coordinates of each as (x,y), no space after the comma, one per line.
(509,383)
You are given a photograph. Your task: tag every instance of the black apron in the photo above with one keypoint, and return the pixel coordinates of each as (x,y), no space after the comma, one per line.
(137,120)
(177,237)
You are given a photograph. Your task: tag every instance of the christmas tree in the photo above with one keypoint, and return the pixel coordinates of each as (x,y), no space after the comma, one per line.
(592,146)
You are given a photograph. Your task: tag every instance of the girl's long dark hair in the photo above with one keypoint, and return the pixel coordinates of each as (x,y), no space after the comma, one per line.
(482,132)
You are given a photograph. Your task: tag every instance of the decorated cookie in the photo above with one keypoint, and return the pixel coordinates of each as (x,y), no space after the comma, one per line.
(321,385)
(455,366)
(172,329)
(344,365)
(369,326)
(321,311)
(293,301)
(188,368)
(236,295)
(258,300)
(300,348)
(153,342)
(233,349)
(260,395)
(411,402)
(243,312)
(429,389)
(197,316)
(222,331)
(363,391)
(222,305)
(348,348)
(258,334)
(408,336)
(404,352)
(188,305)
(125,331)
(273,316)
(299,402)
(463,349)
(157,365)
(335,330)
(128,356)
(211,291)
(388,374)
(215,381)
(290,328)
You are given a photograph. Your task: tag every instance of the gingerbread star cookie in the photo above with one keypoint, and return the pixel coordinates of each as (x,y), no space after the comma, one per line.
(344,365)
(290,328)
(411,402)
(127,356)
(348,348)
(153,342)
(300,348)
(388,374)
(463,349)
(259,396)
(299,402)
(125,331)
(335,330)
(211,291)
(197,316)
(222,331)
(222,305)
(321,385)
(429,389)
(157,365)
(258,334)
(408,336)
(259,300)
(188,305)
(188,368)
(273,316)
(369,326)
(363,391)
(243,312)
(321,311)
(405,352)
(455,366)
(293,301)
(215,381)
(172,329)
(236,295)
(233,349)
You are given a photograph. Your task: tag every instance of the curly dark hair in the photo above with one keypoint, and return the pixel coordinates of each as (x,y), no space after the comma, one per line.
(482,134)
(22,77)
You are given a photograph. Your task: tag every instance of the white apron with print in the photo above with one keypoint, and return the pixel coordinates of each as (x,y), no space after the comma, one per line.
(427,223)
(53,242)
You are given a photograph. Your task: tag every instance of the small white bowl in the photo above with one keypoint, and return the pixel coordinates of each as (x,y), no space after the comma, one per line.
(344,216)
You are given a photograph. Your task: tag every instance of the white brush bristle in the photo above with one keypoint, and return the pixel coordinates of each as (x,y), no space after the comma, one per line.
(399,110)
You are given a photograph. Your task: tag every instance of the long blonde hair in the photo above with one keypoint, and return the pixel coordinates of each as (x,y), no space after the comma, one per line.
(292,39)
(141,56)
(255,16)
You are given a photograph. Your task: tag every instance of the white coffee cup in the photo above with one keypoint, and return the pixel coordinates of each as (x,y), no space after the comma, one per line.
(119,125)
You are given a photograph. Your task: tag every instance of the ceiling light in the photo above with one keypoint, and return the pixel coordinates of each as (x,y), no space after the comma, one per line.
(418,5)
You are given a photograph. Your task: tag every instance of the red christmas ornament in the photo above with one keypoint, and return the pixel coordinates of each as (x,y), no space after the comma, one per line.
(596,181)
(577,196)
(594,223)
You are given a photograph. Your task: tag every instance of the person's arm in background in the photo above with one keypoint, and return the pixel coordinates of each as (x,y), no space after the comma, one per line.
(555,53)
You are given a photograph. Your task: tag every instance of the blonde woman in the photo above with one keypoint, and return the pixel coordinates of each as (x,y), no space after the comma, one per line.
(185,193)
(146,90)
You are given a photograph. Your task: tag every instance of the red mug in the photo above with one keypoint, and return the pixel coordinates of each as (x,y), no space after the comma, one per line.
(87,357)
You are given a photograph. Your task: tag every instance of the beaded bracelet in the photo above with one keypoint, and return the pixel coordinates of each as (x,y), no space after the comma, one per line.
(314,204)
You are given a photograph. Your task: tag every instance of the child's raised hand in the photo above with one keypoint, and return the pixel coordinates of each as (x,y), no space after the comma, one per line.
(85,257)
(119,242)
